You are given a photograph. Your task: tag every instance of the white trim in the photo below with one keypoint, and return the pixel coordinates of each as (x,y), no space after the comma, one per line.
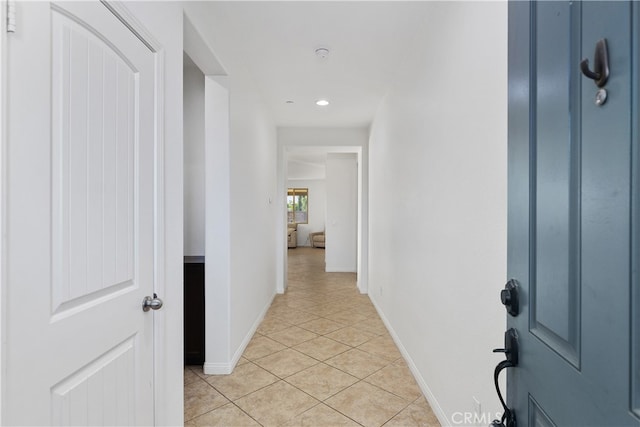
(363,220)
(281,226)
(160,321)
(428,394)
(118,8)
(3,195)
(213,368)
(341,269)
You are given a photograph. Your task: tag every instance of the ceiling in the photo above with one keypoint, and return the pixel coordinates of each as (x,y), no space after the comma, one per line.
(274,44)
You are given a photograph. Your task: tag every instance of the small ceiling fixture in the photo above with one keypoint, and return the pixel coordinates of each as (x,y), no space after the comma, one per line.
(322,102)
(322,52)
(289,102)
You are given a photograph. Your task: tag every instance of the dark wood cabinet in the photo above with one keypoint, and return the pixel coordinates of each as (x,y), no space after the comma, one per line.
(194,310)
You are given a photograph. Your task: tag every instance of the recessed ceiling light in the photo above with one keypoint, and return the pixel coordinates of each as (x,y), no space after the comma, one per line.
(289,102)
(322,102)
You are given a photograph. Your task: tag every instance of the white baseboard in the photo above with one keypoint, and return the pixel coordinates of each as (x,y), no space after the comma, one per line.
(339,269)
(227,368)
(216,368)
(252,331)
(428,394)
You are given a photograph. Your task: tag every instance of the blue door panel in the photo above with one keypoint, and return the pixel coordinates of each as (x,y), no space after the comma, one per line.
(537,417)
(555,145)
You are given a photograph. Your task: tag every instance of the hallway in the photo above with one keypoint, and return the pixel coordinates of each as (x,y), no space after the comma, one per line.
(321,357)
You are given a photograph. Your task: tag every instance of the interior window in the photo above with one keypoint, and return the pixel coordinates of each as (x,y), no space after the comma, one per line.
(298,205)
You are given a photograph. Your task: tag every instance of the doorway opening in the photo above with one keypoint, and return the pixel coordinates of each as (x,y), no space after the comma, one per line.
(333,178)
(207,205)
(194,212)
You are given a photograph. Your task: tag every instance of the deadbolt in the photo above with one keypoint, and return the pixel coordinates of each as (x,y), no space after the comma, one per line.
(509,297)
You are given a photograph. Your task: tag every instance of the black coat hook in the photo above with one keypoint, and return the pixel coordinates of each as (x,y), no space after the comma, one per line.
(600,74)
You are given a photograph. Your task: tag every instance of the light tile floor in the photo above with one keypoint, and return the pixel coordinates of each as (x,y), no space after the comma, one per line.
(321,357)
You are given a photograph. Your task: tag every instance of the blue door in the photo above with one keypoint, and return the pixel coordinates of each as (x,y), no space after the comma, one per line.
(574,209)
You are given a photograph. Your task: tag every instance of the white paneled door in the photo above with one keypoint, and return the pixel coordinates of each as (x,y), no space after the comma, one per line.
(79,218)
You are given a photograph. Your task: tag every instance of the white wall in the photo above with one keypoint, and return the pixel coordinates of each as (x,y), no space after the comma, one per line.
(300,170)
(342,213)
(438,173)
(319,137)
(194,176)
(253,214)
(317,207)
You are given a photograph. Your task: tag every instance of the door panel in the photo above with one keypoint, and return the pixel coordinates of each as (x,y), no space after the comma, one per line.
(554,288)
(80,213)
(94,119)
(570,218)
(537,417)
(100,393)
